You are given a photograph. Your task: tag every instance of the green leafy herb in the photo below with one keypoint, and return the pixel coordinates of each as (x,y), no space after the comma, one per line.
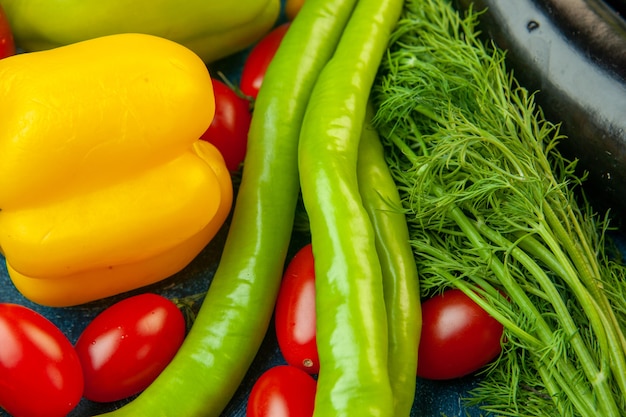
(494,210)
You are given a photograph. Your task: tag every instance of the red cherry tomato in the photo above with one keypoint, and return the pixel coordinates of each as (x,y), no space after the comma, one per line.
(255,65)
(282,391)
(458,337)
(40,374)
(229,129)
(7,46)
(294,316)
(127,346)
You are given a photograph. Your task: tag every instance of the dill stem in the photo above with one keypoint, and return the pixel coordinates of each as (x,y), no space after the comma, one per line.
(561,266)
(544,331)
(584,258)
(583,264)
(404,148)
(553,387)
(589,271)
(556,384)
(593,301)
(596,377)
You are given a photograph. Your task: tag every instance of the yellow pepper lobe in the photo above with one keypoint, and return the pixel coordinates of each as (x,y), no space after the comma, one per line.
(97,111)
(103,180)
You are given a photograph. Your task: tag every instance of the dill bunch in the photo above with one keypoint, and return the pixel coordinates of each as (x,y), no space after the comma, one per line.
(493,210)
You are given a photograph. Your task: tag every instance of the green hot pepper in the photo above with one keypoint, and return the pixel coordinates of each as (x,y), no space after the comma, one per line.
(212,29)
(382,201)
(351,317)
(235,315)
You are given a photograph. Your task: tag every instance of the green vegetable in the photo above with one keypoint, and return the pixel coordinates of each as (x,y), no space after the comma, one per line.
(236,311)
(212,29)
(584,88)
(400,280)
(493,209)
(351,318)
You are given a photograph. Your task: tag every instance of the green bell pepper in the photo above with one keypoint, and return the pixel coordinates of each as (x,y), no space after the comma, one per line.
(213,29)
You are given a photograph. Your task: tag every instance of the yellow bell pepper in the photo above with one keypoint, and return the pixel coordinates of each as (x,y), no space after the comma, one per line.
(104,184)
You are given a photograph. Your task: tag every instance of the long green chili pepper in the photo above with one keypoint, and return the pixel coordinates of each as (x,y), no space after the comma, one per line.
(351,318)
(400,279)
(234,317)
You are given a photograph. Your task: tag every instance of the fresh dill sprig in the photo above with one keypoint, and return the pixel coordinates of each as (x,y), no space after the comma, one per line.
(492,210)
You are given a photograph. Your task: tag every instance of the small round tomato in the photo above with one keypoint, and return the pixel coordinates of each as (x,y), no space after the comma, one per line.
(458,337)
(229,129)
(282,391)
(125,347)
(7,46)
(294,317)
(255,65)
(40,374)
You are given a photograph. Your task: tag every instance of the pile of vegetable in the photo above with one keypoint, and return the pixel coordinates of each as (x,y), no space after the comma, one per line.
(423,175)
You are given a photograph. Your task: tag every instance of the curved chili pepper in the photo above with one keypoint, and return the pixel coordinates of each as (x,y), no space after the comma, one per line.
(351,318)
(400,278)
(235,315)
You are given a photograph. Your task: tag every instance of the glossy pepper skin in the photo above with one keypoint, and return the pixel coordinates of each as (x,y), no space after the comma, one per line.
(104,184)
(400,278)
(212,29)
(352,331)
